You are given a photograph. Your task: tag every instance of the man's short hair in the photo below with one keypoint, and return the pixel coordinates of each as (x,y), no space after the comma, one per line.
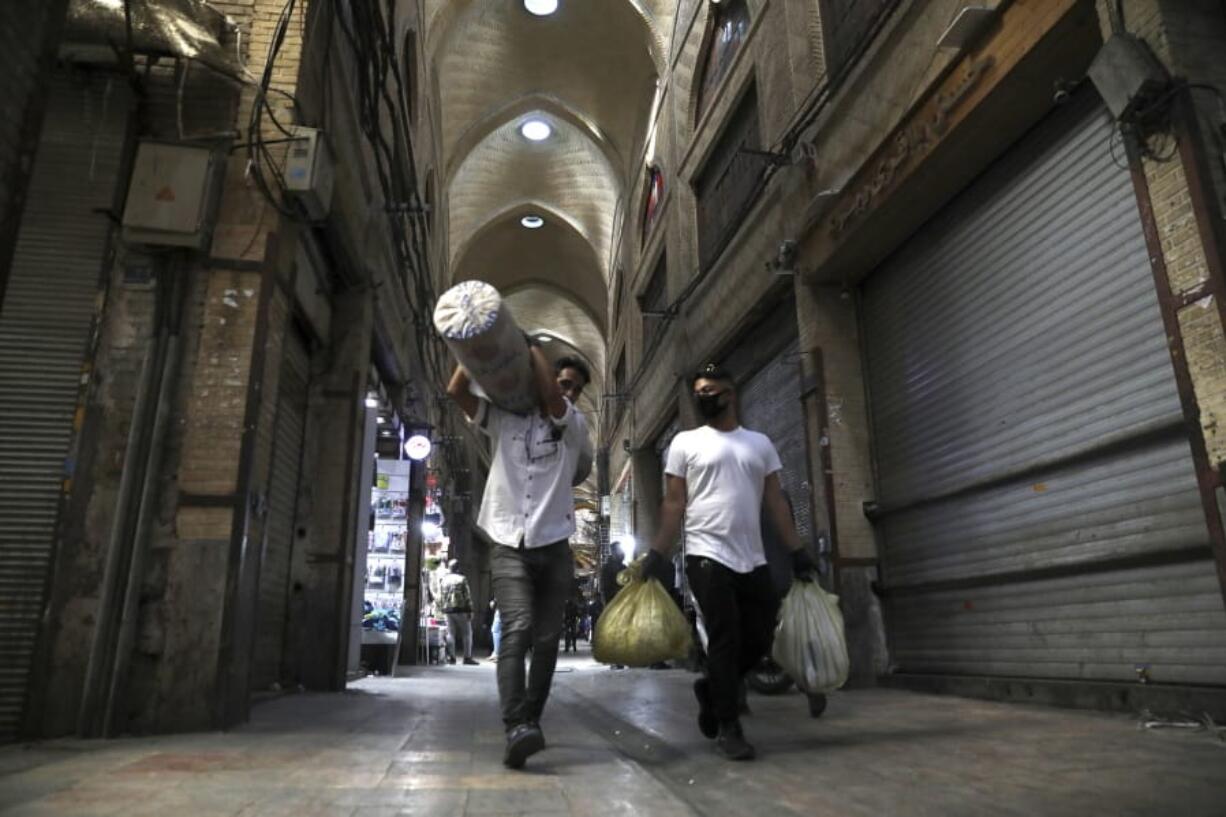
(571,362)
(711,371)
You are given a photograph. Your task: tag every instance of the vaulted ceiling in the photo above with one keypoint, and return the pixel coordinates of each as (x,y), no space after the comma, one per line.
(588,71)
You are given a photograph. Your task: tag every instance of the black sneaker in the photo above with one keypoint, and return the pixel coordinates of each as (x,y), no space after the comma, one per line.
(731,743)
(523,741)
(708,724)
(470,662)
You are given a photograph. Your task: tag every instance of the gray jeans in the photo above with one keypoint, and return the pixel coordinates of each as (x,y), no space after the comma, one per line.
(460,625)
(531,586)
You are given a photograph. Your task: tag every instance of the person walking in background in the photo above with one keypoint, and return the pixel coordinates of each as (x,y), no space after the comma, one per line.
(528,511)
(718,477)
(456,602)
(615,564)
(495,628)
(570,626)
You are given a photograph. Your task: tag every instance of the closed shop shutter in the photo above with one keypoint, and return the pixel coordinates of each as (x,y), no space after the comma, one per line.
(283,485)
(766,365)
(45,323)
(1039,514)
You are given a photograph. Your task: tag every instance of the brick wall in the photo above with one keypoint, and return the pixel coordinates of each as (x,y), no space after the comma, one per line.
(1189,38)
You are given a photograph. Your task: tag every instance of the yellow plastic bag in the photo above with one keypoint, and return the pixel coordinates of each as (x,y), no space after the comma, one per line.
(641,626)
(810,644)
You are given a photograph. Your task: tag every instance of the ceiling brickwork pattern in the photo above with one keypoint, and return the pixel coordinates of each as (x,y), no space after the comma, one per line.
(589,70)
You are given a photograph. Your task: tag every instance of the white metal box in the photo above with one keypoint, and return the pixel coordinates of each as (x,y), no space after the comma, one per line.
(308,171)
(169,195)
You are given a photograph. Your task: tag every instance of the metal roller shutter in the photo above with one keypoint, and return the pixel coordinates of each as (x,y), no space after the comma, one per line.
(1038,509)
(766,365)
(283,484)
(770,403)
(45,323)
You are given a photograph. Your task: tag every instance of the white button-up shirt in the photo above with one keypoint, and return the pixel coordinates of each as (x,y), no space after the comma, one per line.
(528,496)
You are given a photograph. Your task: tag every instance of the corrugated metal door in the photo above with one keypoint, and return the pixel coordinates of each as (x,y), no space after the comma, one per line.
(770,403)
(45,323)
(1039,511)
(283,483)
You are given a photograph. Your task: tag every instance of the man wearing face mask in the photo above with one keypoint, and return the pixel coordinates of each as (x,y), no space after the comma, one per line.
(718,476)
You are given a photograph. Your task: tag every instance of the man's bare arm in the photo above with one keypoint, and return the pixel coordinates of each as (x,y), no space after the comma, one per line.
(672,511)
(780,513)
(550,396)
(458,391)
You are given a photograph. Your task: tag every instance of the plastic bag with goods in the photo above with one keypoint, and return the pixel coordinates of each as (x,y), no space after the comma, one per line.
(641,626)
(809,641)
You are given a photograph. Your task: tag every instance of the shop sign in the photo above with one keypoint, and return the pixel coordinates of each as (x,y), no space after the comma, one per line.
(383,482)
(1022,26)
(909,145)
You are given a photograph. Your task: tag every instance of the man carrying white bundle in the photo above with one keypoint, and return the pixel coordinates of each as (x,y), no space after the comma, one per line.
(528,510)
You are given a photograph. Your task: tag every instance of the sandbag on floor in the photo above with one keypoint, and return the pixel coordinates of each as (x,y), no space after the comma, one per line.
(483,336)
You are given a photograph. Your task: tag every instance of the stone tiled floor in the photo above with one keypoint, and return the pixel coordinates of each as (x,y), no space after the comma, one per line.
(623,743)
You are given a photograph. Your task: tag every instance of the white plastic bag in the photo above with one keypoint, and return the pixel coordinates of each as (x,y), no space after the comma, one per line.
(809,642)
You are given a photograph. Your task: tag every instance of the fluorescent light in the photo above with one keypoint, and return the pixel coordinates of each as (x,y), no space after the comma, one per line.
(532,222)
(541,8)
(372,402)
(536,130)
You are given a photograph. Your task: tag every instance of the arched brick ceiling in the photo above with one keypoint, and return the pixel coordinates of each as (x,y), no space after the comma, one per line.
(590,71)
(567,173)
(556,255)
(598,57)
(542,308)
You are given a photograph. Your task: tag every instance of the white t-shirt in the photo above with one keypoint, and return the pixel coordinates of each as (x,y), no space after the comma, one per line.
(724,473)
(528,494)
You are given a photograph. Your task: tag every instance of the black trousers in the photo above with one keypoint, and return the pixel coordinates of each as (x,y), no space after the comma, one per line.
(738,611)
(531,587)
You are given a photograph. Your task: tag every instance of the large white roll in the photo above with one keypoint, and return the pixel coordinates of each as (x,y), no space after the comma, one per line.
(482,334)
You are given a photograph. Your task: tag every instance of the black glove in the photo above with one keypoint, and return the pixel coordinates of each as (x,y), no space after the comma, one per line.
(803,566)
(654,565)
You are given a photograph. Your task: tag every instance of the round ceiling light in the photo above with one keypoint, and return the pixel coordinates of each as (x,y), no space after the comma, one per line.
(418,447)
(541,8)
(532,222)
(536,130)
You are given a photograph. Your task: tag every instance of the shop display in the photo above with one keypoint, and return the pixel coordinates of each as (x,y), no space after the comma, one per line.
(383,602)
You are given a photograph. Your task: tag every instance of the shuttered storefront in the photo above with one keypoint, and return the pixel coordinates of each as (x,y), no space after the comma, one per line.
(766,364)
(283,484)
(45,323)
(1039,514)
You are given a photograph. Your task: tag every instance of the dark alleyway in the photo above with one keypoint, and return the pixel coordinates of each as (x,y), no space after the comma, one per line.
(623,743)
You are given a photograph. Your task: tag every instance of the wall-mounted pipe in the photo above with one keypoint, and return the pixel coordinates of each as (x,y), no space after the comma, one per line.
(101,655)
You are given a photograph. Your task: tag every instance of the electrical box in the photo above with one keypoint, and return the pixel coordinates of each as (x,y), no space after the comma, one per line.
(309,174)
(170,195)
(1127,75)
